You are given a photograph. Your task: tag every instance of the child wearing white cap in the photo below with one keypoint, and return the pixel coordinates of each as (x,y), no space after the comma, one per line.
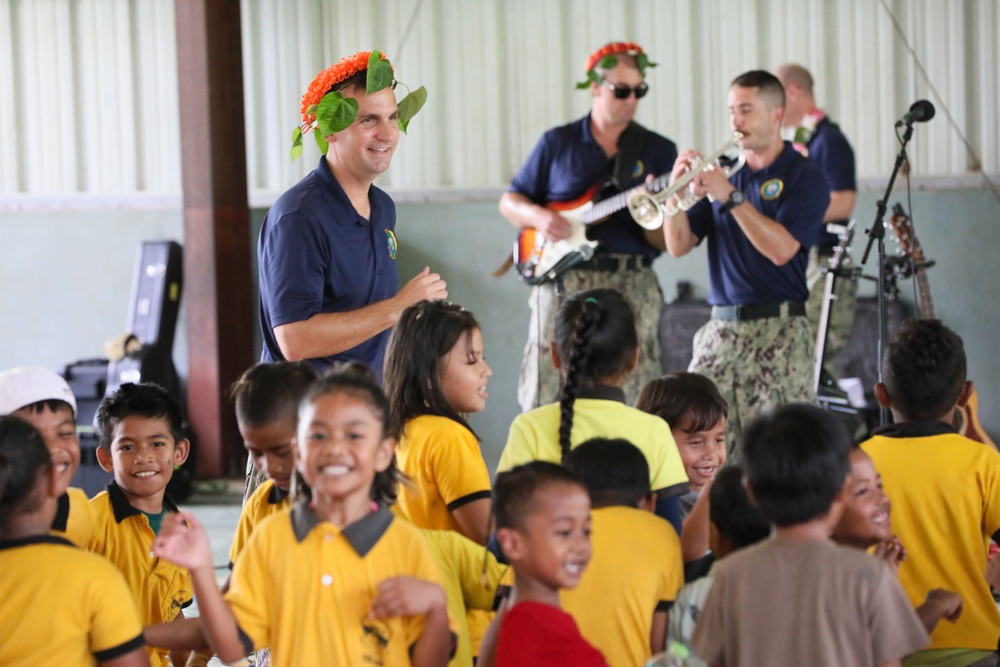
(42,398)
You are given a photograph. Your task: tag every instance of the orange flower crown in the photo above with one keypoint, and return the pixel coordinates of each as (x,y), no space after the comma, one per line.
(605,57)
(325,111)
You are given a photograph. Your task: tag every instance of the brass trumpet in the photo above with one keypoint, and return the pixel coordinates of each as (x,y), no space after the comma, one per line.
(649,208)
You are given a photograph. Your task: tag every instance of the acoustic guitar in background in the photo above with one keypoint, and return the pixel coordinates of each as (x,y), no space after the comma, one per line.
(966,420)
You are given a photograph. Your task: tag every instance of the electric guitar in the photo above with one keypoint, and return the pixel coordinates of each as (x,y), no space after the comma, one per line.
(966,419)
(538,260)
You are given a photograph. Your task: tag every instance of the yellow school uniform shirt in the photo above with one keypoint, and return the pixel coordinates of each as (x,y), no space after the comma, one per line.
(445,467)
(267,499)
(74,518)
(304,587)
(599,412)
(446,470)
(945,493)
(123,536)
(636,569)
(62,605)
(470,576)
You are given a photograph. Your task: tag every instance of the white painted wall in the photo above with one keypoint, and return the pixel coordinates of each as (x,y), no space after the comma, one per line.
(88,90)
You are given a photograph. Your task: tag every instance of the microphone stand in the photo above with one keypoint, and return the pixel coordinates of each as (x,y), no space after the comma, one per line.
(877,233)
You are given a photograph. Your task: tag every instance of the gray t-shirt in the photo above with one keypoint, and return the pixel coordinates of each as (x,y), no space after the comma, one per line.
(806,602)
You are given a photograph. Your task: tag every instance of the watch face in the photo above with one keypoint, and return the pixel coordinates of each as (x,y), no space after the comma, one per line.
(736,198)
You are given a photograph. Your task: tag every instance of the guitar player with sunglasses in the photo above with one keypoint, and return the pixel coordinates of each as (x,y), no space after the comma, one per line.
(575,230)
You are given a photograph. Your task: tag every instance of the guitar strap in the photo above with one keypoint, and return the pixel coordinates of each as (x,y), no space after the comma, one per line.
(629,147)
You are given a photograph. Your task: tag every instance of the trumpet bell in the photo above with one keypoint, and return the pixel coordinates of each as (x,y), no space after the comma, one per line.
(645,210)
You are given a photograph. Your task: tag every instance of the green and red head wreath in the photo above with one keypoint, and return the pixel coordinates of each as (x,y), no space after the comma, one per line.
(605,58)
(326,111)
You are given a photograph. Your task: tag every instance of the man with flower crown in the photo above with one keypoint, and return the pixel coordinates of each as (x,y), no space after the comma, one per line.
(329,283)
(609,152)
(817,137)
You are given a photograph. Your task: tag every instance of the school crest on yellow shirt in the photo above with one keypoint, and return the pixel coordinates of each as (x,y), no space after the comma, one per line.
(376,635)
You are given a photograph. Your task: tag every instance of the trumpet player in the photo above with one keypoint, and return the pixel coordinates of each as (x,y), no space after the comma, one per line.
(759,224)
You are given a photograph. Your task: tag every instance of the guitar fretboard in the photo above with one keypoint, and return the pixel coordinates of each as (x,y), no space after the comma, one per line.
(606,207)
(923,287)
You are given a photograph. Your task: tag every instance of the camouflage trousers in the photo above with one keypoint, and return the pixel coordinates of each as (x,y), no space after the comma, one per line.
(845,294)
(538,383)
(756,365)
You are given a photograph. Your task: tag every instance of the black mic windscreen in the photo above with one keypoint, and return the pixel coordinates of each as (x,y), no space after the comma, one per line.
(921,111)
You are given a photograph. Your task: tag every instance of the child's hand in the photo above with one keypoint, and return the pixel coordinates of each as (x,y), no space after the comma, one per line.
(183,541)
(945,604)
(892,552)
(406,596)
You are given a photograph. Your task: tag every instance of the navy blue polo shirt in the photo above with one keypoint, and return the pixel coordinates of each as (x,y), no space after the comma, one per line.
(568,161)
(792,191)
(317,255)
(833,154)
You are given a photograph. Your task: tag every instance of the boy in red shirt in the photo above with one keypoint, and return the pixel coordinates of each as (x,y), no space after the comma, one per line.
(543,525)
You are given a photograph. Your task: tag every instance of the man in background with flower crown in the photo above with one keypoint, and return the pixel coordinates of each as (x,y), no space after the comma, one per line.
(604,147)
(327,249)
(814,135)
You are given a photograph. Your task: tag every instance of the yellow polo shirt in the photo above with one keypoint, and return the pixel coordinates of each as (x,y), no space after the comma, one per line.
(123,536)
(267,499)
(304,587)
(534,436)
(470,575)
(945,493)
(75,519)
(636,569)
(62,605)
(445,468)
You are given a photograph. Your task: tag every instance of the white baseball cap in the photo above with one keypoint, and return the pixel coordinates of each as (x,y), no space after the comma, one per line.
(26,385)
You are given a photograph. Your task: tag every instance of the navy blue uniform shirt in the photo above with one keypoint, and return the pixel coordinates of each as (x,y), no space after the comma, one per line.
(833,154)
(568,161)
(316,254)
(792,191)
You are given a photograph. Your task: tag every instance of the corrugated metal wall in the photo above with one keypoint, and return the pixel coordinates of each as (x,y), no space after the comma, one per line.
(88,93)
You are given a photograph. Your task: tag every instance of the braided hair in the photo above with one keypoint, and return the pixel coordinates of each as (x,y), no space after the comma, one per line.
(595,339)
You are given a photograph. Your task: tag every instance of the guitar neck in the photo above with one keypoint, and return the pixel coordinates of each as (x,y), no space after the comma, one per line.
(924,294)
(611,205)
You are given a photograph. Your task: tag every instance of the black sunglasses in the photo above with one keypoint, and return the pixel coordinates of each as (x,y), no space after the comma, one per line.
(622,92)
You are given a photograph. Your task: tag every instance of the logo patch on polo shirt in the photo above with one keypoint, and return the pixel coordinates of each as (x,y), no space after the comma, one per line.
(390,241)
(772,188)
(639,170)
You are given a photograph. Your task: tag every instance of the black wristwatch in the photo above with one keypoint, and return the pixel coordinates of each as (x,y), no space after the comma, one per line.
(735,199)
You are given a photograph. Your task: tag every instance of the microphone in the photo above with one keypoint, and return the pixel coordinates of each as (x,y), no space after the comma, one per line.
(920,112)
(579,255)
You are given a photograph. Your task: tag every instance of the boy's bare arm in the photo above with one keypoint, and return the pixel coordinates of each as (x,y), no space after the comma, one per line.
(658,632)
(136,658)
(694,532)
(183,634)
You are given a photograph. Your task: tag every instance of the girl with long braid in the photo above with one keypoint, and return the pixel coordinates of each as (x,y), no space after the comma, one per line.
(595,349)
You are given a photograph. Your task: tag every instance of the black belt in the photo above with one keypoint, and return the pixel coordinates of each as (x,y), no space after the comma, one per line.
(758,311)
(616,263)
